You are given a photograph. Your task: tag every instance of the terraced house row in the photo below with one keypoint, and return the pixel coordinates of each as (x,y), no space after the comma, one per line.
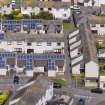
(41,49)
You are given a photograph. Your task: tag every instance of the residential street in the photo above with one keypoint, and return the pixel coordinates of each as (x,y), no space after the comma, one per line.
(91,98)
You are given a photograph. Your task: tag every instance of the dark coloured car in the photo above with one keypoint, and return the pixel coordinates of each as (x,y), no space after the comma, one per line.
(57,85)
(16,80)
(81,101)
(97,90)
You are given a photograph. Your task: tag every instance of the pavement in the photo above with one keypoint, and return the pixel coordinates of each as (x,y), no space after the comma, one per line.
(7,83)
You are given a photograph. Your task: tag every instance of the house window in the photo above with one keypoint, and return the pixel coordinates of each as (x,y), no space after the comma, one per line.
(48,43)
(58,43)
(49,9)
(101,25)
(41,9)
(39,43)
(100,41)
(18,49)
(64,15)
(93,25)
(29,44)
(94,31)
(30,51)
(104,85)
(9,43)
(19,43)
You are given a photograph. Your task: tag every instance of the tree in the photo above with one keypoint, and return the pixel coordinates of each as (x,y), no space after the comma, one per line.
(26,16)
(8,16)
(45,15)
(16,12)
(17,17)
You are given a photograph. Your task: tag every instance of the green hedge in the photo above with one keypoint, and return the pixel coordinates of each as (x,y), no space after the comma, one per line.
(59,81)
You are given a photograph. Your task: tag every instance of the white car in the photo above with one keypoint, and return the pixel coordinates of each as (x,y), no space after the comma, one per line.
(75,7)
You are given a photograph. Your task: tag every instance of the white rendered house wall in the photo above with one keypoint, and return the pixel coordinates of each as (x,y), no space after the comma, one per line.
(38,47)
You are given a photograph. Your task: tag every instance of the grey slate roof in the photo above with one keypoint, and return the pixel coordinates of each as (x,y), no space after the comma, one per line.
(50,25)
(87,39)
(52,4)
(97,20)
(51,37)
(86,1)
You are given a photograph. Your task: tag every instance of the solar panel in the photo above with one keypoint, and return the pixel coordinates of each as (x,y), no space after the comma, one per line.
(29,58)
(10,24)
(1,35)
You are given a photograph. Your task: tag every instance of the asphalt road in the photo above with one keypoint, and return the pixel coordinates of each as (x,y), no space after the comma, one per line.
(7,83)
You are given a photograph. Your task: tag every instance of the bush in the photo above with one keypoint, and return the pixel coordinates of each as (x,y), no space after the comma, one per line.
(42,15)
(4,97)
(26,16)
(17,17)
(16,12)
(59,81)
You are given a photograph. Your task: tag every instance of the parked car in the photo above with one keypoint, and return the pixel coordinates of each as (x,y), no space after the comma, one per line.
(57,85)
(16,80)
(81,101)
(97,90)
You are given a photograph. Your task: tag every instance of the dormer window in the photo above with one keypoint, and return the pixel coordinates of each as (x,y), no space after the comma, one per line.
(101,25)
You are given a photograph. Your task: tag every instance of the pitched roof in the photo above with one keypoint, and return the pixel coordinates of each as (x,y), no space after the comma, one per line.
(97,19)
(87,39)
(52,4)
